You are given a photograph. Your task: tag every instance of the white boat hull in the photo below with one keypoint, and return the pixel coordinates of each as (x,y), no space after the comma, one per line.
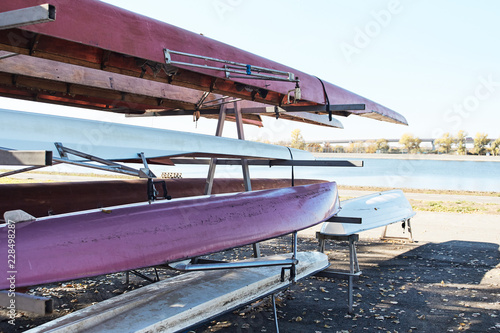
(375,210)
(179,303)
(112,141)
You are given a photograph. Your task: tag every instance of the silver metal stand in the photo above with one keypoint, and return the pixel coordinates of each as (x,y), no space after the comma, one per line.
(288,264)
(213,161)
(273,298)
(244,164)
(354,270)
(407,228)
(206,264)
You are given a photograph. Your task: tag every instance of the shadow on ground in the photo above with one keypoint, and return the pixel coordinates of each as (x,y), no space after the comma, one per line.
(433,287)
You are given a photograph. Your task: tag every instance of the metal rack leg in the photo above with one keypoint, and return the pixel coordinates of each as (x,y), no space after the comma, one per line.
(273,297)
(350,294)
(408,225)
(353,268)
(322,245)
(256,250)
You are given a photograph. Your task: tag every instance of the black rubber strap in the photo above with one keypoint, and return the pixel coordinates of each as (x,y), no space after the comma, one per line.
(327,100)
(293,176)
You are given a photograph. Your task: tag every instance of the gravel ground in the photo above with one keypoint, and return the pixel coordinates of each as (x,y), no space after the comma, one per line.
(451,286)
(448,286)
(447,281)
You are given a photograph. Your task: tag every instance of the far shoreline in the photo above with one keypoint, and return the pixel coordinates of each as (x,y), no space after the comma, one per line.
(436,157)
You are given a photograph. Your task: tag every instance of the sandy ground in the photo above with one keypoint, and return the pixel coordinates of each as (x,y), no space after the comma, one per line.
(447,281)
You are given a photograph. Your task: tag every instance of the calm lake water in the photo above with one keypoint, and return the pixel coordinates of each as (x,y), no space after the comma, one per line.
(419,174)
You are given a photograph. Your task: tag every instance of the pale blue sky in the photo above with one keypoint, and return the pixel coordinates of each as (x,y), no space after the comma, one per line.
(435,62)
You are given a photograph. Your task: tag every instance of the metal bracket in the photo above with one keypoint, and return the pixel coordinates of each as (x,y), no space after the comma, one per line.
(142,276)
(183,266)
(145,172)
(27,16)
(233,69)
(203,265)
(218,102)
(293,267)
(107,165)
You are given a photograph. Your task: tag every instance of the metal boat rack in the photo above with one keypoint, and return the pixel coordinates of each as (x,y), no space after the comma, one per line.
(354,271)
(288,269)
(202,264)
(237,70)
(232,69)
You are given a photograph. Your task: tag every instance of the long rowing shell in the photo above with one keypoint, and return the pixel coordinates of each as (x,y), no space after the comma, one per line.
(95,242)
(97,35)
(113,141)
(54,198)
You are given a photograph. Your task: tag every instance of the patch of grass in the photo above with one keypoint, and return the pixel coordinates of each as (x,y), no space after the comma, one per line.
(460,206)
(7,180)
(35,179)
(424,191)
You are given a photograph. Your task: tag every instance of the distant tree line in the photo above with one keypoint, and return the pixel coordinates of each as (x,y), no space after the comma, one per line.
(446,144)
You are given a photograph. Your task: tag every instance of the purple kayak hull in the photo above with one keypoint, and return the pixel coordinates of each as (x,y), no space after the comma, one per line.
(95,242)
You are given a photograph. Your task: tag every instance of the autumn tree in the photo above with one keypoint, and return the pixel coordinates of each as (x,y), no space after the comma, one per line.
(371,146)
(411,143)
(444,143)
(460,142)
(382,145)
(314,147)
(298,141)
(327,148)
(339,149)
(480,142)
(495,147)
(356,147)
